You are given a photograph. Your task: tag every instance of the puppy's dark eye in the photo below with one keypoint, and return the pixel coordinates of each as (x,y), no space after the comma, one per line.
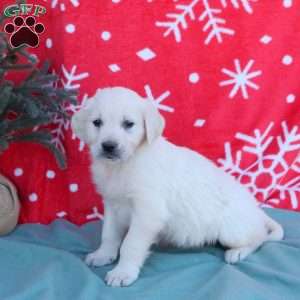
(127,124)
(97,122)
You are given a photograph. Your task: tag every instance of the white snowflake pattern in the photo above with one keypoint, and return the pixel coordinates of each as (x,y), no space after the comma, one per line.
(158,100)
(245,4)
(61,214)
(60,124)
(214,24)
(178,19)
(62,5)
(240,78)
(95,214)
(71,77)
(68,80)
(269,168)
(296,164)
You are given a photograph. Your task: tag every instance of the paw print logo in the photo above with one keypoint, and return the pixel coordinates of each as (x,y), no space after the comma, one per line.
(24,32)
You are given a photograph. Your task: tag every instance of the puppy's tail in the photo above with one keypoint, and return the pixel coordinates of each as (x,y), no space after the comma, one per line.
(275,230)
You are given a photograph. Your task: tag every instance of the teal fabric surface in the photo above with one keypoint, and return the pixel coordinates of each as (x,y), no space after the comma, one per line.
(39,262)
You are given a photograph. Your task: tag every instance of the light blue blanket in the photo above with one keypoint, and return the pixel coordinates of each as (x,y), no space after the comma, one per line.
(40,262)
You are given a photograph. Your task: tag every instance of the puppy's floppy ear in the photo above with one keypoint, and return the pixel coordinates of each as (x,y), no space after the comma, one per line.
(80,118)
(78,123)
(154,122)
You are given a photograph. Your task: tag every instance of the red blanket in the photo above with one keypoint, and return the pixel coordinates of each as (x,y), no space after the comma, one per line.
(224,73)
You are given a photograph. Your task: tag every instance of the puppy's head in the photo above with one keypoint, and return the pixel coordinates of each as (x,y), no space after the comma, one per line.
(116,122)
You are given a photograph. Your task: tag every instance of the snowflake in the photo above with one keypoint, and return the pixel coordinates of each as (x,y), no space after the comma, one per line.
(178,21)
(61,214)
(71,76)
(296,164)
(62,6)
(266,174)
(213,23)
(245,4)
(58,135)
(240,79)
(95,214)
(157,101)
(63,124)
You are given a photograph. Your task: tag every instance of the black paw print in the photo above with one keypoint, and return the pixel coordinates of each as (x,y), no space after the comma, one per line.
(24,32)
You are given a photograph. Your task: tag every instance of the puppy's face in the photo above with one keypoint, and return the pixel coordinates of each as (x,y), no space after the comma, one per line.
(116,122)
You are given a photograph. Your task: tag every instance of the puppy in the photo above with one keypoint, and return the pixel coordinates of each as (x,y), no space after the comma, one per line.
(157,192)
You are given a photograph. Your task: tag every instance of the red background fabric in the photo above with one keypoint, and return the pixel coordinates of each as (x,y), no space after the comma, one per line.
(246,123)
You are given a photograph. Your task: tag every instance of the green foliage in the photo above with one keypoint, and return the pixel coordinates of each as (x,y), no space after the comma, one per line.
(30,104)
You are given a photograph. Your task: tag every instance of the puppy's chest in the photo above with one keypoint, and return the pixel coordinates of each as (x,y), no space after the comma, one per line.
(112,185)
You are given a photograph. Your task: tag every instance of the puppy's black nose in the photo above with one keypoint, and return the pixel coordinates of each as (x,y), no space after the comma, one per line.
(109,147)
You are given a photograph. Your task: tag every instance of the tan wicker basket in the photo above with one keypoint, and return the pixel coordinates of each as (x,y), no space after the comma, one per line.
(9,206)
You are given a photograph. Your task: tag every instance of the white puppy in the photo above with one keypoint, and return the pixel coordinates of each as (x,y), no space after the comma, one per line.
(156,192)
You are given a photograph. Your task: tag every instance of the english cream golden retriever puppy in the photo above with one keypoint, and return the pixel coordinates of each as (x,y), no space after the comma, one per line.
(157,192)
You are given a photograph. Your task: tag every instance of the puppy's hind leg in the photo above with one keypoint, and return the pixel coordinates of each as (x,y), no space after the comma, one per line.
(235,255)
(241,239)
(270,231)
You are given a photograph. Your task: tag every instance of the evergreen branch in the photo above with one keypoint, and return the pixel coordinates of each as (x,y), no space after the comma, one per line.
(43,138)
(5,92)
(24,122)
(37,101)
(3,145)
(3,128)
(17,67)
(24,53)
(36,136)
(45,68)
(31,108)
(41,80)
(59,156)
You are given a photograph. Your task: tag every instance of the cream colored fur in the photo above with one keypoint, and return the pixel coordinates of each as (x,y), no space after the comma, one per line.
(157,192)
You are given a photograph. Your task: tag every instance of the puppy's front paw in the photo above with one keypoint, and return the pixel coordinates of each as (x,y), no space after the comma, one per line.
(99,258)
(120,276)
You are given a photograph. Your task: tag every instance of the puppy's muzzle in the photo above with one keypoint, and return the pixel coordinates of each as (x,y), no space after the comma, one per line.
(110,150)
